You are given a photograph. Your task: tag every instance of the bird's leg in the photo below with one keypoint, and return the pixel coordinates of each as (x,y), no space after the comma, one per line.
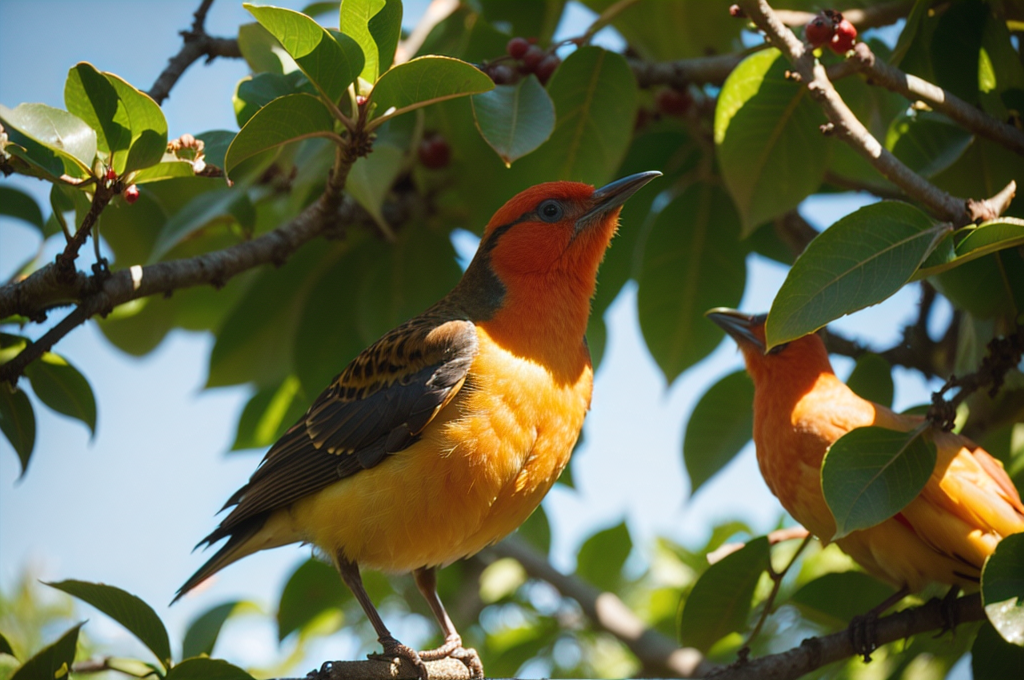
(349,571)
(948,608)
(426,581)
(862,628)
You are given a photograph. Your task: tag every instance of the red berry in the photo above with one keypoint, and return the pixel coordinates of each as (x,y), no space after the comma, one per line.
(534,55)
(736,12)
(360,100)
(844,38)
(517,47)
(547,67)
(131,194)
(501,74)
(434,152)
(673,102)
(818,31)
(110,175)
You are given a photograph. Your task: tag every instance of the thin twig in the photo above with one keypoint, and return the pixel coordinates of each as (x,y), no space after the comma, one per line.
(776,577)
(603,20)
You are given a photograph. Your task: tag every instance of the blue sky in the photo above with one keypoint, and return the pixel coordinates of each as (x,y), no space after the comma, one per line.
(127,507)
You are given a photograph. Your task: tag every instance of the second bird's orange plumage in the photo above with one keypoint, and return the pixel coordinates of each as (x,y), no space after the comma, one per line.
(443,436)
(801,408)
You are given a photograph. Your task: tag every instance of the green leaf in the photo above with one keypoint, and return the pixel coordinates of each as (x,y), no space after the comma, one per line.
(128,610)
(988,237)
(859,261)
(993,659)
(53,662)
(720,601)
(5,646)
(60,386)
(19,205)
(138,327)
(536,19)
(926,142)
(537,530)
(955,48)
(720,425)
(376,25)
(330,61)
(767,140)
(870,473)
(1002,589)
(424,81)
(228,204)
(269,413)
(262,51)
(286,119)
(18,422)
(311,590)
(254,92)
(204,630)
(515,119)
(206,669)
(692,261)
(66,135)
(370,179)
(836,598)
(601,557)
(872,379)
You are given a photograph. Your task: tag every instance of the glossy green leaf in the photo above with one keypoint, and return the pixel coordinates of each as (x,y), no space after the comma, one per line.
(269,413)
(1002,589)
(331,62)
(52,662)
(60,386)
(311,590)
(720,425)
(376,25)
(926,142)
(836,598)
(228,204)
(254,92)
(424,81)
(993,659)
(127,609)
(286,119)
(870,473)
(536,530)
(64,134)
(138,327)
(202,633)
(370,179)
(721,599)
(202,668)
(536,19)
(986,238)
(767,140)
(955,48)
(602,556)
(166,169)
(692,261)
(515,119)
(262,51)
(859,261)
(19,205)
(18,423)
(872,379)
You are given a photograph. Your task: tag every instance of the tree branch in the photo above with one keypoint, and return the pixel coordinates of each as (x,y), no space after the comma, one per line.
(607,611)
(680,73)
(845,124)
(814,653)
(882,14)
(198,43)
(945,102)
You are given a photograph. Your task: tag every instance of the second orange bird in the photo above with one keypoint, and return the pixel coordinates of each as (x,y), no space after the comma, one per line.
(800,409)
(444,435)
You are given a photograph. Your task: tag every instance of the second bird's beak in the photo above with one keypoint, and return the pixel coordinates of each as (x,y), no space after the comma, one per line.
(738,325)
(611,196)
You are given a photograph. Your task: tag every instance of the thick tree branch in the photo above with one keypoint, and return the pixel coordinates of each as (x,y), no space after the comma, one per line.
(844,124)
(198,44)
(655,651)
(916,89)
(678,74)
(814,653)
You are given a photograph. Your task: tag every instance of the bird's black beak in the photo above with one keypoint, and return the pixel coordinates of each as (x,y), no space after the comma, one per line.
(738,325)
(611,196)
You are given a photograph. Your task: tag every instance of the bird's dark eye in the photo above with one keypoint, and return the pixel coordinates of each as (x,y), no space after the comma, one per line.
(550,210)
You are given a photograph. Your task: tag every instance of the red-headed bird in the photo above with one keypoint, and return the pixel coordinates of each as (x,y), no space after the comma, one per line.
(800,408)
(444,435)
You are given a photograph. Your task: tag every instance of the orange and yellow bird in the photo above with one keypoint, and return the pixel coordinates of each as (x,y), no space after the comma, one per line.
(444,435)
(800,408)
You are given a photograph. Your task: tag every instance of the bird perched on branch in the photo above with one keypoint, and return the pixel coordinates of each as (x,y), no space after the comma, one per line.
(444,435)
(800,408)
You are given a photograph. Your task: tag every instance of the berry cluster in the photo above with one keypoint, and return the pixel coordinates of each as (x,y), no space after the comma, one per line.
(529,59)
(831,28)
(130,193)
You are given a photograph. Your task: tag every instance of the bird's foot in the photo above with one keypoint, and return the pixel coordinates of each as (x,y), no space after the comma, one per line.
(862,634)
(393,649)
(950,619)
(453,648)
